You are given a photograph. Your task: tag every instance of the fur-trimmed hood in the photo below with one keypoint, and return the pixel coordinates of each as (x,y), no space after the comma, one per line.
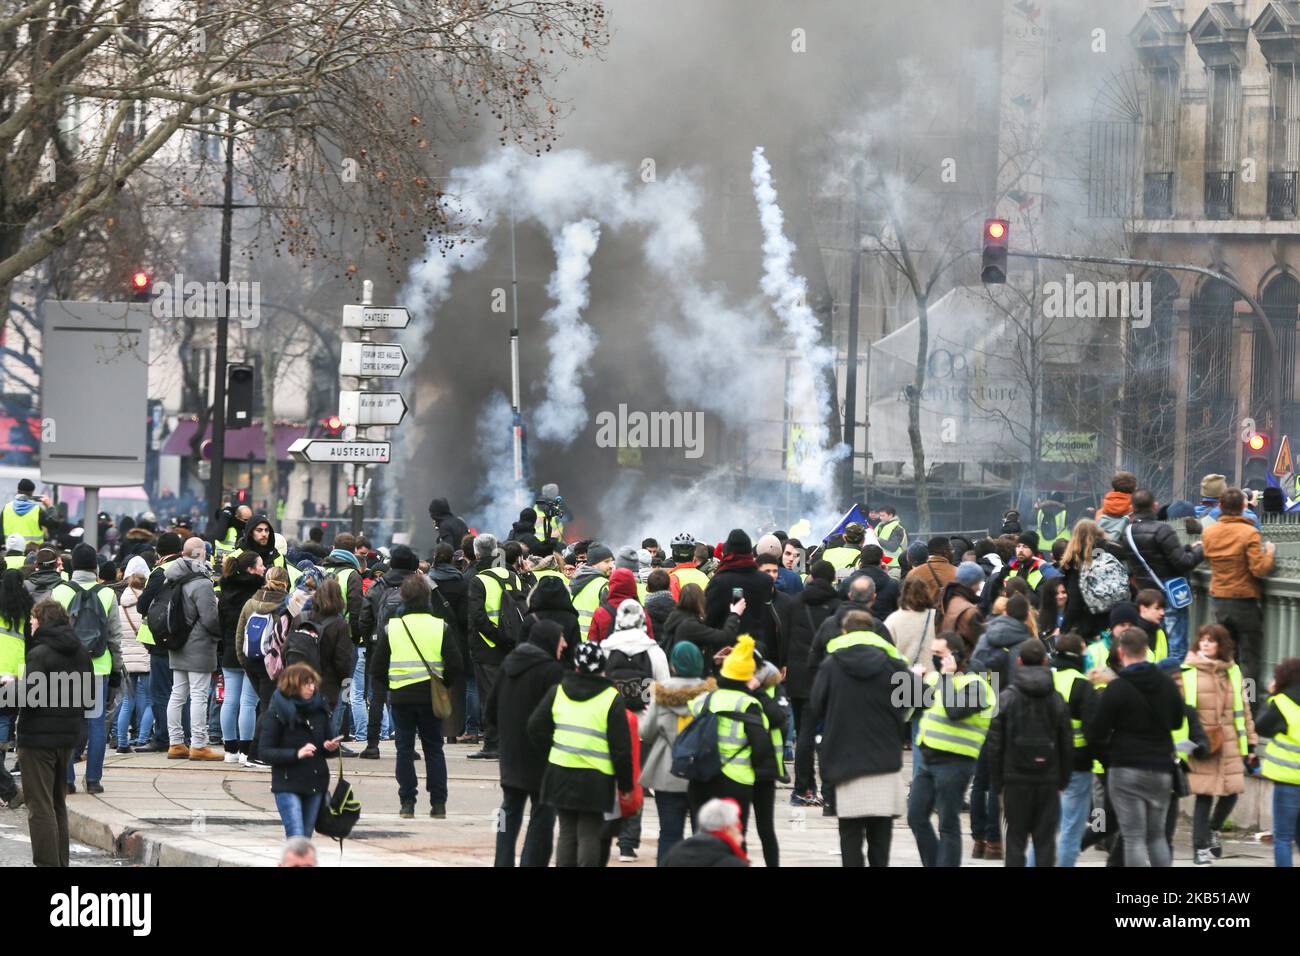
(678,692)
(769,675)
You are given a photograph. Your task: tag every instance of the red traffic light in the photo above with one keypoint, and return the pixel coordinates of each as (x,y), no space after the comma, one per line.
(1257,442)
(333,423)
(352,491)
(996,228)
(140,281)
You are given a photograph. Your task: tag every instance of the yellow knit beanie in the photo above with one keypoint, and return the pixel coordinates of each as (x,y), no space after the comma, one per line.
(739,664)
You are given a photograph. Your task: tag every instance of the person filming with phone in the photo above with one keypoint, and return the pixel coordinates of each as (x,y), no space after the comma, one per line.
(294,744)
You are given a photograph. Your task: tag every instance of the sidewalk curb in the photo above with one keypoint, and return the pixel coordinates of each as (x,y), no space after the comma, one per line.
(112,831)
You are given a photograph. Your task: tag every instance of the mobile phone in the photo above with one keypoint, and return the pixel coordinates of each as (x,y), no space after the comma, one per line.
(737,594)
(799,561)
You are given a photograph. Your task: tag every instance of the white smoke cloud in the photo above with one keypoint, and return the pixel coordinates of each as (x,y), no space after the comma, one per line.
(496,457)
(571,342)
(815,454)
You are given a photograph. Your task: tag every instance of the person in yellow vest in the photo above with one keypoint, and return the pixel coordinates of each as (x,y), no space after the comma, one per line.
(1279,760)
(74,597)
(958,707)
(414,648)
(489,642)
(590,585)
(846,554)
(1212,683)
(684,569)
(1151,613)
(581,724)
(1069,677)
(891,535)
(15,628)
(226,531)
(1050,521)
(30,517)
(15,552)
(744,734)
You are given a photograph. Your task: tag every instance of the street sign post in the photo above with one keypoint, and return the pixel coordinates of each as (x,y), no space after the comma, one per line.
(369,317)
(372,360)
(334,451)
(371,408)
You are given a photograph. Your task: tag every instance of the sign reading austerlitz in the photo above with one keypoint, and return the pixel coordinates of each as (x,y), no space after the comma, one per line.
(369,317)
(327,450)
(371,408)
(369,360)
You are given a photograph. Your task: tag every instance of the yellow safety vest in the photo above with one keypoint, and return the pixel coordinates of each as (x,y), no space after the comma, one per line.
(1162,646)
(687,576)
(550,573)
(145,635)
(1280,761)
(223,547)
(581,739)
(557,528)
(1182,736)
(964,737)
(1064,682)
(492,597)
(342,576)
(103,664)
(733,744)
(28,525)
(13,649)
(587,600)
(886,529)
(420,634)
(1045,540)
(841,558)
(862,639)
(15,562)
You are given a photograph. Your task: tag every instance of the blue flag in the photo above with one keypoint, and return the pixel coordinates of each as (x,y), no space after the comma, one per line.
(850,516)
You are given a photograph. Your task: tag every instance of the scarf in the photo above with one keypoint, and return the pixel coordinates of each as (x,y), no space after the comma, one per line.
(731,843)
(348,556)
(736,562)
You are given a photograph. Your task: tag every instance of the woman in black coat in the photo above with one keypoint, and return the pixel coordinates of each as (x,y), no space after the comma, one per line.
(294,743)
(338,655)
(686,623)
(245,578)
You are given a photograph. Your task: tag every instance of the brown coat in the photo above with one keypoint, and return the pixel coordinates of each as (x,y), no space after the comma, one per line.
(962,616)
(1237,557)
(936,573)
(1222,773)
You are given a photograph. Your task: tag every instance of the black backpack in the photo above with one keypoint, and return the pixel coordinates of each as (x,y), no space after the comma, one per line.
(167,620)
(510,623)
(390,601)
(633,676)
(1031,733)
(302,646)
(89,619)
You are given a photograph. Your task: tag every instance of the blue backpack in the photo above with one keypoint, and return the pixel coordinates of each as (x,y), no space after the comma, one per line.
(695,751)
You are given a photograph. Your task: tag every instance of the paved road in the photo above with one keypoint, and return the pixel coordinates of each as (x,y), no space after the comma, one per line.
(16,845)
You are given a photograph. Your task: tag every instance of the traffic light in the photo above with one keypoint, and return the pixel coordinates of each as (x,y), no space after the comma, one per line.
(994,266)
(1255,465)
(141,283)
(352,491)
(239,396)
(333,426)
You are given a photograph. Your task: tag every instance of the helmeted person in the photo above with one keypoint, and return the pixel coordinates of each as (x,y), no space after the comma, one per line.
(26,515)
(744,736)
(414,648)
(489,644)
(1050,521)
(891,534)
(590,585)
(225,532)
(1279,758)
(74,597)
(849,553)
(15,552)
(581,725)
(684,570)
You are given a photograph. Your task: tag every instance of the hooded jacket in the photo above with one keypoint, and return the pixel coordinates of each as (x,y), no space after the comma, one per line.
(267,551)
(338,655)
(887,590)
(454,588)
(135,656)
(39,584)
(1135,716)
(996,652)
(582,789)
(287,726)
(374,598)
(354,593)
(199,652)
(658,606)
(137,541)
(757,621)
(52,651)
(525,531)
(236,589)
(451,529)
(622,585)
(668,712)
(854,699)
(961,613)
(635,641)
(705,850)
(821,600)
(1031,697)
(550,601)
(527,673)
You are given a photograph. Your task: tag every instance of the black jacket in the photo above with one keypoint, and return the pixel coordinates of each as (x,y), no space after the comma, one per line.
(659,606)
(1159,545)
(571,788)
(831,629)
(791,615)
(1031,696)
(417,693)
(758,620)
(683,625)
(821,600)
(338,655)
(373,599)
(854,699)
(235,592)
(286,727)
(450,529)
(703,849)
(455,589)
(887,590)
(246,543)
(53,651)
(527,673)
(550,601)
(1134,718)
(810,611)
(353,596)
(478,620)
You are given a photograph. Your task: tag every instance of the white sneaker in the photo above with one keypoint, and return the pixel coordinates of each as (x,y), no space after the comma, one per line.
(243,760)
(1203,857)
(627,856)
(232,758)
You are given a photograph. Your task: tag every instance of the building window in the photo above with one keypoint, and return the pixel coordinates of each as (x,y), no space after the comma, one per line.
(1221,134)
(1283,140)
(1281,303)
(1161,132)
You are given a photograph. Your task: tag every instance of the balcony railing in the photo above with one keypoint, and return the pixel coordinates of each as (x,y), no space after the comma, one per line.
(1158,196)
(1282,195)
(1218,195)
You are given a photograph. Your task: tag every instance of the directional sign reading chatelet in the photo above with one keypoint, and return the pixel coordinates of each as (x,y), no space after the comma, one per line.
(369,317)
(333,451)
(371,408)
(369,360)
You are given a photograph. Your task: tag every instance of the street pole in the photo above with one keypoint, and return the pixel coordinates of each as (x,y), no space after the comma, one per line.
(1275,352)
(517,425)
(851,371)
(216,483)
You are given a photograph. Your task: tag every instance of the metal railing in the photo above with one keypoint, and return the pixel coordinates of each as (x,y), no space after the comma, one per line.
(1158,196)
(1218,195)
(1282,195)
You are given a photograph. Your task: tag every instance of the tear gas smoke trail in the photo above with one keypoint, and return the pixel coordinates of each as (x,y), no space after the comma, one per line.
(496,456)
(807,392)
(563,414)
